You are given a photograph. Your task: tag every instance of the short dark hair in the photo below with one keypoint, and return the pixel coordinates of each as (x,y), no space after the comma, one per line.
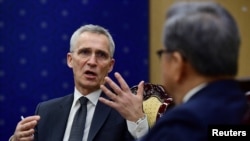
(206,35)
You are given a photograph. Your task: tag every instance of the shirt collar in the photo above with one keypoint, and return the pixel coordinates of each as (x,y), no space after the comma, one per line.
(92,97)
(193,91)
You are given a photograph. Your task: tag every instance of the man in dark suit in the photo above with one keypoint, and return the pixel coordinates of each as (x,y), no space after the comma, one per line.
(199,64)
(91,59)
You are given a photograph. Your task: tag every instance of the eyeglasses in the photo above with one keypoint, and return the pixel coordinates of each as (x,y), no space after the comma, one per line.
(161,51)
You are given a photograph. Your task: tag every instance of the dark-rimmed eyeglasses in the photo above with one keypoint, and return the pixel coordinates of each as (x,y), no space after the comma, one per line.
(161,51)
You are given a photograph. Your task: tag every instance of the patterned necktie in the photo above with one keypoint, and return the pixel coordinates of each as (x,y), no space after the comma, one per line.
(78,125)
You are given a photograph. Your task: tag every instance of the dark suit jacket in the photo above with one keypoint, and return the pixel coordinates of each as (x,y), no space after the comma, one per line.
(107,124)
(220,102)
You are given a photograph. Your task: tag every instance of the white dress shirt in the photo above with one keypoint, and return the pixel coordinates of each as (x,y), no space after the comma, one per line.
(193,91)
(137,130)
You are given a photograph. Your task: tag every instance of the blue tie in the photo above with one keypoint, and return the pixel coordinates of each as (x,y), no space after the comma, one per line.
(78,125)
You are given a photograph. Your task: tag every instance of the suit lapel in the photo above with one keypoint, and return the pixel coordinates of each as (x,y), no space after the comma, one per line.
(100,115)
(63,110)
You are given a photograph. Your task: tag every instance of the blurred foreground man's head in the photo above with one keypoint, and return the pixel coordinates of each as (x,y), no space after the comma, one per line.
(201,45)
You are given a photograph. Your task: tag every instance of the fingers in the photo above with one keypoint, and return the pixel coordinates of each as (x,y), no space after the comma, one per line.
(110,94)
(140,89)
(28,123)
(25,135)
(122,90)
(123,100)
(112,103)
(107,102)
(28,138)
(113,85)
(122,82)
(119,90)
(25,128)
(31,118)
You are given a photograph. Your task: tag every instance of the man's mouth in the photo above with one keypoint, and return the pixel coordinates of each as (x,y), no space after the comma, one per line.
(90,74)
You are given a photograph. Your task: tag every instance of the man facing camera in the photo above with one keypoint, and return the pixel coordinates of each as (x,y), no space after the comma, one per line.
(81,116)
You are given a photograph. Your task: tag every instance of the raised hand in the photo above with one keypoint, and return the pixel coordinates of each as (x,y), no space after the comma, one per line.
(123,100)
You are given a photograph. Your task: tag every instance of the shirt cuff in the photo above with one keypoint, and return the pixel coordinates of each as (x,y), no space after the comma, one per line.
(138,129)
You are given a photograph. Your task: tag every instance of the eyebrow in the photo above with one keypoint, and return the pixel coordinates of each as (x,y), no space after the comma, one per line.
(88,48)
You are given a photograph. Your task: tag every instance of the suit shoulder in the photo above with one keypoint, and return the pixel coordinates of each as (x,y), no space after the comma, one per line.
(56,100)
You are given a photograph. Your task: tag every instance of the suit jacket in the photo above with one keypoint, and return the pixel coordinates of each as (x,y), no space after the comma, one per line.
(107,124)
(220,102)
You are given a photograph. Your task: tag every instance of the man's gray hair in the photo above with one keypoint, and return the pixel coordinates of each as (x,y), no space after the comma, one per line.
(93,29)
(206,35)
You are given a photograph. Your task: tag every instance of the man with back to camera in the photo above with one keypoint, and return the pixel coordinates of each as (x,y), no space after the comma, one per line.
(91,59)
(199,64)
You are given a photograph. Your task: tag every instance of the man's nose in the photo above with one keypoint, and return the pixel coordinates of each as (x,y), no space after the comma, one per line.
(92,59)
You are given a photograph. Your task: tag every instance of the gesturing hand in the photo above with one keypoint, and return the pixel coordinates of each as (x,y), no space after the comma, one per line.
(25,129)
(123,100)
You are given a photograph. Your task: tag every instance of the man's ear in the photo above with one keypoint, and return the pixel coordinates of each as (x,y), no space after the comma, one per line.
(69,60)
(112,63)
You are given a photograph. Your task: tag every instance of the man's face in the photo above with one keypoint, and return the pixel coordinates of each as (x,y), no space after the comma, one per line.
(173,71)
(165,69)
(169,69)
(90,61)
